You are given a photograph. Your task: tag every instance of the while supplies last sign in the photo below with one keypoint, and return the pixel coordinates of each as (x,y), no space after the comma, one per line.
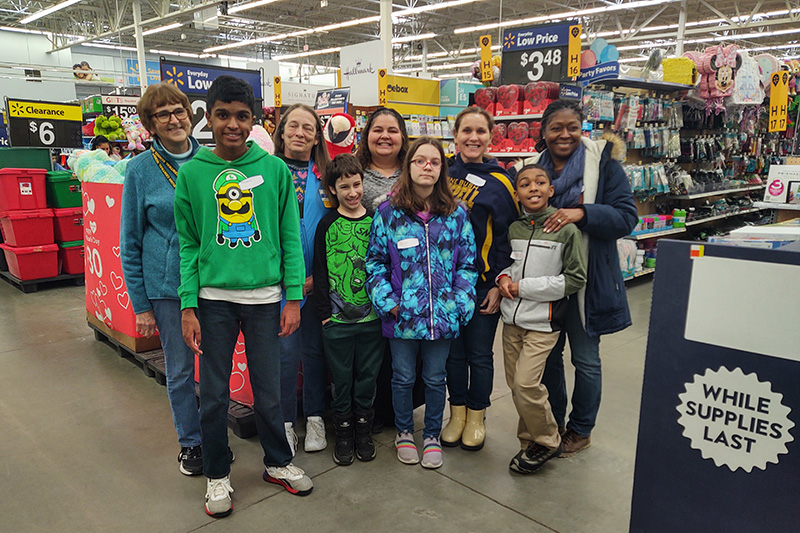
(44,124)
(549,52)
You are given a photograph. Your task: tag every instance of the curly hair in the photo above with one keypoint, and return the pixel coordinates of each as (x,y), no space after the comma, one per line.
(552,109)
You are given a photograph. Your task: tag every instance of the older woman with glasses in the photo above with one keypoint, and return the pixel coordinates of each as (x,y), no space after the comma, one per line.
(149,252)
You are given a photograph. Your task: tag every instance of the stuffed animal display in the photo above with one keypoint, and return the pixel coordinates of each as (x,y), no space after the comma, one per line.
(340,134)
(135,133)
(262,138)
(95,166)
(109,127)
(717,66)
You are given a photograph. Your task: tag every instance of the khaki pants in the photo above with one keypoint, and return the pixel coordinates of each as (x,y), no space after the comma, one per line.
(525,354)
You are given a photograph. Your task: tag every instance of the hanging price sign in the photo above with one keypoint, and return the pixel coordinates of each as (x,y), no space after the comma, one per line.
(549,52)
(778,100)
(122,106)
(43,124)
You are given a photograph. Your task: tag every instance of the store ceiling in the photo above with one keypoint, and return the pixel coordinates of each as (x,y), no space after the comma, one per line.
(204,25)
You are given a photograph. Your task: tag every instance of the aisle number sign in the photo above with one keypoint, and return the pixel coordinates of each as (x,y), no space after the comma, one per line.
(43,124)
(778,100)
(549,52)
(383,87)
(486,58)
(277,89)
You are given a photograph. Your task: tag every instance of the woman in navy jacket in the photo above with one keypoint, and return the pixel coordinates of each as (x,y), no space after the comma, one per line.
(593,192)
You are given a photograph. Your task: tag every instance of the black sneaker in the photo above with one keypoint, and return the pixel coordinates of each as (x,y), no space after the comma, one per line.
(344,447)
(190,461)
(532,459)
(365,447)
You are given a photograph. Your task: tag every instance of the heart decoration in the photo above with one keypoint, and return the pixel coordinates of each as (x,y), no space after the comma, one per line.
(507,95)
(93,226)
(534,129)
(85,202)
(93,298)
(101,288)
(498,134)
(485,96)
(242,366)
(90,205)
(116,280)
(239,348)
(518,132)
(123,299)
(237,382)
(109,201)
(115,250)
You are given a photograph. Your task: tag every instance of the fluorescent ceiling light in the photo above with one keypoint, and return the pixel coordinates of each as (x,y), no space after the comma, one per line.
(39,32)
(308,54)
(110,46)
(431,7)
(459,75)
(163,28)
(434,55)
(646,45)
(241,7)
(234,58)
(340,25)
(409,38)
(178,54)
(633,59)
(565,15)
(45,12)
(451,66)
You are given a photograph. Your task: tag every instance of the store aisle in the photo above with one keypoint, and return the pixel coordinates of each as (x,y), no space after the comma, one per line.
(87,444)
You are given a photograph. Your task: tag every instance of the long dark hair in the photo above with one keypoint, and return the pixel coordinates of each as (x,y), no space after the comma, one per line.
(319,153)
(441,200)
(363,154)
(552,109)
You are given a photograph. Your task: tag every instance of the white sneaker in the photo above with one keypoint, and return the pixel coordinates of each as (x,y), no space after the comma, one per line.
(218,497)
(315,434)
(291,436)
(290,477)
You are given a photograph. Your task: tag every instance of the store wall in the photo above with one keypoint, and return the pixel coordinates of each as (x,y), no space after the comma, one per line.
(23,49)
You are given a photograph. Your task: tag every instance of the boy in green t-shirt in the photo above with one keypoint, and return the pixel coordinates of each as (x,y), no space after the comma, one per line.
(239,231)
(351,331)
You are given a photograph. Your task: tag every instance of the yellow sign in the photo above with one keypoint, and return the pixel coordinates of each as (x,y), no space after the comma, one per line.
(277,87)
(382,89)
(44,110)
(410,90)
(486,58)
(778,100)
(574,52)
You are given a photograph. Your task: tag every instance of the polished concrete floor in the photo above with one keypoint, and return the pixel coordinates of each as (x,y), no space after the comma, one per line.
(87,444)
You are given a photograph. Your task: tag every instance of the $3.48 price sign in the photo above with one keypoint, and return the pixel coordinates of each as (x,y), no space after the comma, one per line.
(538,63)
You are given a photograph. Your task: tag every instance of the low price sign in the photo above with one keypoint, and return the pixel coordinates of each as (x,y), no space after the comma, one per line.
(43,124)
(550,52)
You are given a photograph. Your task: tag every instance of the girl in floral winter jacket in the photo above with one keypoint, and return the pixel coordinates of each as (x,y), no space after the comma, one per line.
(421,278)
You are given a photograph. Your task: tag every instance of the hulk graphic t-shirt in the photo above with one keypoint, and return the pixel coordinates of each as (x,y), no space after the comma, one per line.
(340,275)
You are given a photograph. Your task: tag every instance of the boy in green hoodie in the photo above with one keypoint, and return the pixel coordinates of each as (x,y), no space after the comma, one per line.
(239,231)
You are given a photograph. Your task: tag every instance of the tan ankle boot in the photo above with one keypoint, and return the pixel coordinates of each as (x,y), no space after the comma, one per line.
(474,430)
(451,434)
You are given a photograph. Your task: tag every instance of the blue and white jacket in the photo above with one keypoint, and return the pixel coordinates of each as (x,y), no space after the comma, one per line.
(427,269)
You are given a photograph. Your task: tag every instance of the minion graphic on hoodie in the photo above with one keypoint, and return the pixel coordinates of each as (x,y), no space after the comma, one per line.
(237,219)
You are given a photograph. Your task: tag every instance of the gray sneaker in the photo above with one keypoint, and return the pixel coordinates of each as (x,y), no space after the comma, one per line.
(218,497)
(290,477)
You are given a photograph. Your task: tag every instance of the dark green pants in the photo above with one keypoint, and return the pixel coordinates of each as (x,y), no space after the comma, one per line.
(354,353)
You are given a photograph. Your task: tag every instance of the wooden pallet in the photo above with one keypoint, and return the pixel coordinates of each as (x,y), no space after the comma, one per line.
(241,418)
(32,285)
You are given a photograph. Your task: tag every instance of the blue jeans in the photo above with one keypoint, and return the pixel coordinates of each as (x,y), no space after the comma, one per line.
(179,362)
(404,373)
(588,377)
(220,323)
(305,343)
(470,366)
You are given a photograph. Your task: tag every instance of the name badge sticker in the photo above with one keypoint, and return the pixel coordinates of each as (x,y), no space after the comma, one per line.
(516,255)
(251,183)
(325,200)
(476,180)
(407,243)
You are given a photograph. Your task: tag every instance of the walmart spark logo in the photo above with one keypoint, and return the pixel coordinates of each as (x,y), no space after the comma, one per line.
(174,77)
(17,109)
(509,40)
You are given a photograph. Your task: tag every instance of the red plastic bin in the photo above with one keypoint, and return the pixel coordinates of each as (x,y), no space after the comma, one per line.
(68,224)
(32,262)
(27,228)
(22,188)
(70,257)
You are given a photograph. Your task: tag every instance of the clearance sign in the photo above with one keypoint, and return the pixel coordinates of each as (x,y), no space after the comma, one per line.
(43,124)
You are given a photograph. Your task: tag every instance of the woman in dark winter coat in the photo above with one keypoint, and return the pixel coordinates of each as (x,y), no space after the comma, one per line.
(593,192)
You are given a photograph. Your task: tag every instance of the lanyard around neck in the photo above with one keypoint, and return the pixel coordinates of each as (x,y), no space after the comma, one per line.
(162,163)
